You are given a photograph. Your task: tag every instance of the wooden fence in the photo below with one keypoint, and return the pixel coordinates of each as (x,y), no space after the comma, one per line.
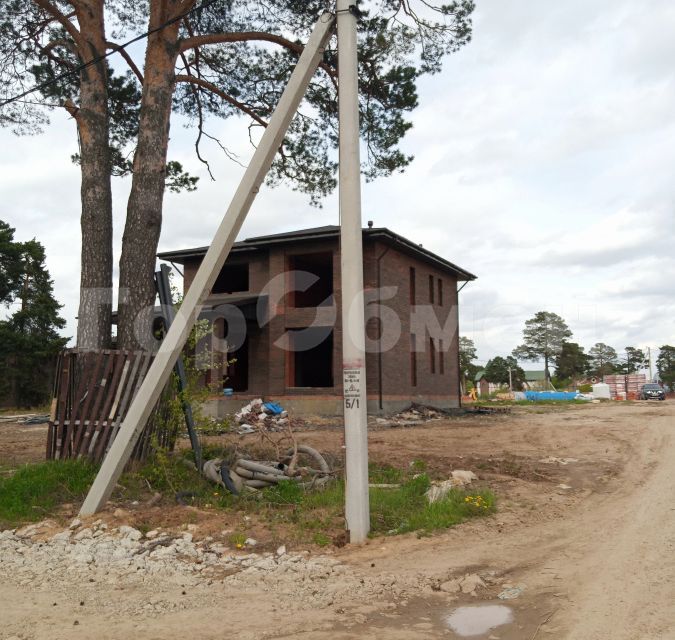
(92,393)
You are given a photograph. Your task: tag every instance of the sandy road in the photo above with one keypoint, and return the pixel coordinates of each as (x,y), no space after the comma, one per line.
(596,562)
(626,573)
(605,571)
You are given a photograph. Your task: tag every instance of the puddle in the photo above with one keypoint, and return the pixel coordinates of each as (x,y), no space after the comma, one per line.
(477,620)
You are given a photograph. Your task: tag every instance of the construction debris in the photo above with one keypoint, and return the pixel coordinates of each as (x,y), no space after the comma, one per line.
(258,414)
(555,460)
(301,464)
(27,418)
(414,415)
(459,478)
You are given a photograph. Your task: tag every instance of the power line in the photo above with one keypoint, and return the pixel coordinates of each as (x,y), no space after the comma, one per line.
(81,67)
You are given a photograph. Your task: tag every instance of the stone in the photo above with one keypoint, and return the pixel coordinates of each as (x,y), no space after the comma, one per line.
(130,532)
(281,550)
(83,534)
(63,536)
(470,583)
(75,523)
(451,586)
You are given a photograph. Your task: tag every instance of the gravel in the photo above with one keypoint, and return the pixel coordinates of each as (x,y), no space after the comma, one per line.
(83,556)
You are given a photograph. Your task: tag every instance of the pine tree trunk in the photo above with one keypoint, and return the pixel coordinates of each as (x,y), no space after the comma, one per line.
(94,318)
(144,209)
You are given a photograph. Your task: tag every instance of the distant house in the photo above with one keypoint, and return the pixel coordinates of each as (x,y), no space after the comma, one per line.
(290,349)
(484,386)
(535,380)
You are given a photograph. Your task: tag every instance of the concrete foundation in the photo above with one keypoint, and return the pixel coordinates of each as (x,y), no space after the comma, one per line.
(323,405)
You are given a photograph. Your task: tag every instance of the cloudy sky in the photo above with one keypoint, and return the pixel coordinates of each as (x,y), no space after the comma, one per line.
(544,164)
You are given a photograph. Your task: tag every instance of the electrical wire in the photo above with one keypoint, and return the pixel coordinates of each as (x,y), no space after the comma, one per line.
(97,59)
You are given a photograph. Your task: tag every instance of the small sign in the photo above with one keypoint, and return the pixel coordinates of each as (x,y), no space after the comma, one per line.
(351,380)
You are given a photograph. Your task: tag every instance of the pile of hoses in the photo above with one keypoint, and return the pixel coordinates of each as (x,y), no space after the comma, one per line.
(250,474)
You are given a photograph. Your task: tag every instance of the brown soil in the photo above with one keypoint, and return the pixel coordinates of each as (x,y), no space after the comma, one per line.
(596,560)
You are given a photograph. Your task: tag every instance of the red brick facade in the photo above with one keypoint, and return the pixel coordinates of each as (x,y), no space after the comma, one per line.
(395,376)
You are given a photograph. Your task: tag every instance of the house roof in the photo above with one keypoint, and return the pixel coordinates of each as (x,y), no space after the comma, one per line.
(328,232)
(535,376)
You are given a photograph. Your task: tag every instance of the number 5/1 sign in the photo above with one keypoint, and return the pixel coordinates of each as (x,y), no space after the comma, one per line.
(351,379)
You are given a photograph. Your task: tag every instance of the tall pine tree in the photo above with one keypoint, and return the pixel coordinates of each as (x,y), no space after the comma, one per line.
(29,335)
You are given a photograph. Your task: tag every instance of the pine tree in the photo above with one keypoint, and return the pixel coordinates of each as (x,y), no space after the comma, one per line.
(29,337)
(602,359)
(543,336)
(206,60)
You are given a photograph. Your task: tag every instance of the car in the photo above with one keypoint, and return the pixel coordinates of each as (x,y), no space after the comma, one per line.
(652,391)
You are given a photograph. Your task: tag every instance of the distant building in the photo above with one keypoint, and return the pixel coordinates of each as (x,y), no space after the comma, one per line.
(484,386)
(535,380)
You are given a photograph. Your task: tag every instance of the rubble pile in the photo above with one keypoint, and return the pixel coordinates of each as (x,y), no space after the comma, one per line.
(416,414)
(268,415)
(86,555)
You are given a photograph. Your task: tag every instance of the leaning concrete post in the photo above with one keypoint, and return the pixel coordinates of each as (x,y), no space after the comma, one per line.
(173,343)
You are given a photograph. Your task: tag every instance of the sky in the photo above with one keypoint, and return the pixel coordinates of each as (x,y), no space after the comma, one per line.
(544,165)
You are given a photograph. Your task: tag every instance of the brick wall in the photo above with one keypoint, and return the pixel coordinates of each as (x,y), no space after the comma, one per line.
(388,373)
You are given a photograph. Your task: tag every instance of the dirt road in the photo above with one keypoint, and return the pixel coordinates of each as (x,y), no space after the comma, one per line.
(584,538)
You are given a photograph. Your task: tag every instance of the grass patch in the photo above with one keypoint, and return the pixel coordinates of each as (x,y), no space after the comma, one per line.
(35,490)
(406,509)
(393,511)
(289,512)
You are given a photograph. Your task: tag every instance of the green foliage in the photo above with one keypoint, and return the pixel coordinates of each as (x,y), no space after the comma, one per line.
(177,179)
(398,43)
(602,359)
(665,365)
(29,339)
(543,338)
(321,539)
(467,354)
(572,363)
(395,511)
(11,266)
(585,388)
(35,490)
(635,360)
(497,371)
(384,474)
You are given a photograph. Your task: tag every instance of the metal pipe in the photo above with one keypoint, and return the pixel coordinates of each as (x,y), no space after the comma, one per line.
(169,313)
(380,392)
(357,510)
(215,257)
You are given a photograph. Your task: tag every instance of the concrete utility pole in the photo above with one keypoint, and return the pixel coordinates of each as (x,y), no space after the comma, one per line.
(215,257)
(357,507)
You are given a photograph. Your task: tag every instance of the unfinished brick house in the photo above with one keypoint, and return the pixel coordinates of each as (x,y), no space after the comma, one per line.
(285,289)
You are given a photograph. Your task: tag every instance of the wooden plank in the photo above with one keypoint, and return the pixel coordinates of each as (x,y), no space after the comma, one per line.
(51,429)
(85,421)
(62,405)
(84,425)
(137,453)
(96,418)
(119,405)
(121,365)
(112,399)
(121,385)
(91,374)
